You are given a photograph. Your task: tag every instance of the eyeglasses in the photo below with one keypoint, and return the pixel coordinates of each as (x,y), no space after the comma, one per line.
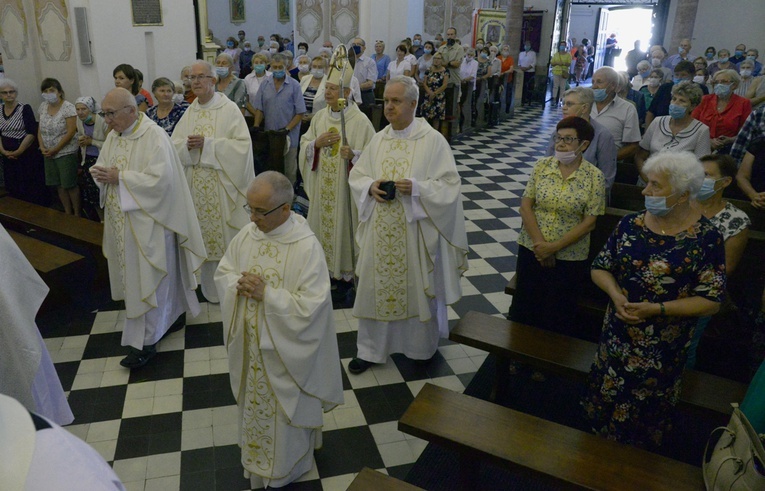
(260,214)
(565,139)
(111,114)
(194,78)
(570,104)
(7,92)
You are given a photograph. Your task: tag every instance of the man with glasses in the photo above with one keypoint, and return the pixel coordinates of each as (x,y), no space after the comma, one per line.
(280,335)
(215,148)
(152,240)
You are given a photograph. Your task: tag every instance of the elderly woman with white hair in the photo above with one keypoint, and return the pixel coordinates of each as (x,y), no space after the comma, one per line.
(639,80)
(91,134)
(662,268)
(232,86)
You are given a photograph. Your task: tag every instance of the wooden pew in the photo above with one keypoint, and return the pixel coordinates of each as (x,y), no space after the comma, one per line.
(567,458)
(371,480)
(49,225)
(572,358)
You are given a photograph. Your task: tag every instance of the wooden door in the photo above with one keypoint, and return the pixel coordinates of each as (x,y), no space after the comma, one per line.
(600,44)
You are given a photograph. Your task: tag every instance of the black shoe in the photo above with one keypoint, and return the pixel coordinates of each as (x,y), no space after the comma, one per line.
(138,358)
(176,326)
(357,366)
(423,363)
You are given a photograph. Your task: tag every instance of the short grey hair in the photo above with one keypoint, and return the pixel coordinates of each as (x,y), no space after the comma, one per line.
(411,92)
(288,54)
(305,58)
(226,57)
(208,66)
(585,94)
(683,169)
(283,191)
(732,74)
(279,58)
(746,62)
(689,90)
(7,82)
(610,74)
(644,65)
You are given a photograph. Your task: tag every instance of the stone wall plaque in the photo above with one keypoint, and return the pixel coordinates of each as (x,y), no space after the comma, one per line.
(146,12)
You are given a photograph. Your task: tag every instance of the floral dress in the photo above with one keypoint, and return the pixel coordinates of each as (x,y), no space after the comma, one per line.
(635,380)
(168,122)
(434,108)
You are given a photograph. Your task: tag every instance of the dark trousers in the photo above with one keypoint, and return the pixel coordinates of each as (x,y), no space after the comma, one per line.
(528,87)
(547,297)
(368,97)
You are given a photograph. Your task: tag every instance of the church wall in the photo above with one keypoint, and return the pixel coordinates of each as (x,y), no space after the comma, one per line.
(584,22)
(260,20)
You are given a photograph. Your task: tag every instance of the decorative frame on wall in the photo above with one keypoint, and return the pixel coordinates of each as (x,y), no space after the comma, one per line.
(283,11)
(237,11)
(490,26)
(146,12)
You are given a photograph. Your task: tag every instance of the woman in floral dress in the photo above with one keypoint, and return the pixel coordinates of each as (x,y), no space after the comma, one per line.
(662,268)
(436,80)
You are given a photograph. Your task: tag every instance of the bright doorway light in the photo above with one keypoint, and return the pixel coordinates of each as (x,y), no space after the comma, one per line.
(629,25)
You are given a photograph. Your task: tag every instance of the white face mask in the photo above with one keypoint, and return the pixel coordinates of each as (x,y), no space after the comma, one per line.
(317,72)
(301,51)
(699,79)
(303,67)
(656,62)
(49,97)
(654,82)
(746,73)
(177,98)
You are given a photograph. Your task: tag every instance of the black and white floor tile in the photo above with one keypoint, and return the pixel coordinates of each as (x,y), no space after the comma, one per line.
(172,424)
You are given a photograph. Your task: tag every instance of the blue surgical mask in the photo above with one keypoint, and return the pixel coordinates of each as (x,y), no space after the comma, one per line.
(645,74)
(709,56)
(707,189)
(599,95)
(259,68)
(527,48)
(484,56)
(427,51)
(221,71)
(676,111)
(739,53)
(657,205)
(676,80)
(722,60)
(230,44)
(562,48)
(416,42)
(750,58)
(279,73)
(722,90)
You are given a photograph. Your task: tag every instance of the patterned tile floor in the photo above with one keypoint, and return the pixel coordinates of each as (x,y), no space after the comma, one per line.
(172,424)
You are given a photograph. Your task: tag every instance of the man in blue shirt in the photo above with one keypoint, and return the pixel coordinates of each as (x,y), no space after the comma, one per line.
(280,103)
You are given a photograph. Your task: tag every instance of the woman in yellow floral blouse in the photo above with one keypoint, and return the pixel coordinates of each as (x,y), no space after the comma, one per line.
(662,268)
(563,197)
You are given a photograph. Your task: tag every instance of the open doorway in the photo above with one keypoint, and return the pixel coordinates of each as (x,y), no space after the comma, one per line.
(628,24)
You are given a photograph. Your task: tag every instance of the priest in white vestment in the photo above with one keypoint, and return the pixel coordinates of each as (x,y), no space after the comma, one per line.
(214,144)
(324,164)
(152,240)
(26,369)
(412,248)
(279,331)
(37,454)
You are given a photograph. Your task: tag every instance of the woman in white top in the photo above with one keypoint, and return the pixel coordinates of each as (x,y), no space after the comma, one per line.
(253,81)
(641,79)
(233,50)
(677,132)
(399,66)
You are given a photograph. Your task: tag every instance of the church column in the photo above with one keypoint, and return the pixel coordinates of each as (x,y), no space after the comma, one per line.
(682,27)
(513,27)
(208,48)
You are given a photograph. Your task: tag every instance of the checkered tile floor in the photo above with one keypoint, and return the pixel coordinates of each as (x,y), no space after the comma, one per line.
(172,424)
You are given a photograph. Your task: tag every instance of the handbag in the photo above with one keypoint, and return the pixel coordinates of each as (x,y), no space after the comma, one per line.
(737,462)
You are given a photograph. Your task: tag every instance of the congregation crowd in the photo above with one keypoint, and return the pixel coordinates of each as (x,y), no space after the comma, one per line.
(171,173)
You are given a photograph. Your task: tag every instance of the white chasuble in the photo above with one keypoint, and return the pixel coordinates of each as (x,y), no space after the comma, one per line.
(332,215)
(282,350)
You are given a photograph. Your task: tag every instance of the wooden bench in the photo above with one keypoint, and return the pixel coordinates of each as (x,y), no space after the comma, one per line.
(52,226)
(565,457)
(371,480)
(572,358)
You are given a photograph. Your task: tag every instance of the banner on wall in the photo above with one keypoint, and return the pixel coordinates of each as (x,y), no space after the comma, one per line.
(489,25)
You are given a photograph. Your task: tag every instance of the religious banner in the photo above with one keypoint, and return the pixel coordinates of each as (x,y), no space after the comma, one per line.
(489,25)
(283,11)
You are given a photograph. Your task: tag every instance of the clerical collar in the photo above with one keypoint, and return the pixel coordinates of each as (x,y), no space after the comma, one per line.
(209,103)
(336,114)
(131,129)
(406,132)
(282,229)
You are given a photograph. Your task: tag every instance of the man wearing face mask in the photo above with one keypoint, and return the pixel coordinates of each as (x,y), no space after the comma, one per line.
(241,36)
(752,55)
(280,104)
(739,55)
(245,60)
(527,61)
(659,106)
(365,72)
(417,45)
(617,115)
(453,54)
(658,55)
(683,54)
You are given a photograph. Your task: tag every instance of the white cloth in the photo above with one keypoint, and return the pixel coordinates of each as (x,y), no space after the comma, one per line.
(152,240)
(469,69)
(252,82)
(26,370)
(413,249)
(332,216)
(396,69)
(621,119)
(365,70)
(48,458)
(220,172)
(320,103)
(527,59)
(694,138)
(282,351)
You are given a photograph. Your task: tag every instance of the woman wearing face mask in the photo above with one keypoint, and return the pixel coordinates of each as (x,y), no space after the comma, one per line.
(662,269)
(745,69)
(22,161)
(424,63)
(58,145)
(652,84)
(435,82)
(229,84)
(169,108)
(723,111)
(723,63)
(311,86)
(561,61)
(91,133)
(233,50)
(676,132)
(304,66)
(254,80)
(641,79)
(563,197)
(719,173)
